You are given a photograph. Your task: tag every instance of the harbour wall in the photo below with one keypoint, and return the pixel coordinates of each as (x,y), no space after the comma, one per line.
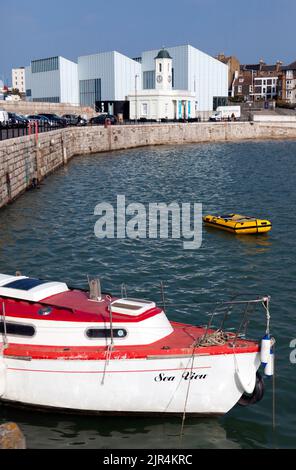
(26,160)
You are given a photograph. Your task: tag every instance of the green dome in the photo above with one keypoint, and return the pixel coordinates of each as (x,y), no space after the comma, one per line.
(163,54)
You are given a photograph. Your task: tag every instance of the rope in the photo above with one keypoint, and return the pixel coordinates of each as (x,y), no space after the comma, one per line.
(187,396)
(5,342)
(273,342)
(218,338)
(110,346)
(108,357)
(265,303)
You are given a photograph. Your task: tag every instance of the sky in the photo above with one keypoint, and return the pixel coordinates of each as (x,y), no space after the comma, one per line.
(248,29)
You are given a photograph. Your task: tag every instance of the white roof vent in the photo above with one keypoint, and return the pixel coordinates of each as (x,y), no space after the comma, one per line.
(132,307)
(25,288)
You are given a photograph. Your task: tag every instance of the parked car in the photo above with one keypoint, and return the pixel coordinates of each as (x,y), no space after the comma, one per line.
(101,119)
(74,120)
(3,118)
(42,120)
(60,122)
(16,120)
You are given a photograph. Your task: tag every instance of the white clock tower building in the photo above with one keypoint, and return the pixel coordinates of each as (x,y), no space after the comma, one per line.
(162,102)
(163,71)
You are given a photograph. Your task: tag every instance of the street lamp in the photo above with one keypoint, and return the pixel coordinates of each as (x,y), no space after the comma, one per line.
(136,96)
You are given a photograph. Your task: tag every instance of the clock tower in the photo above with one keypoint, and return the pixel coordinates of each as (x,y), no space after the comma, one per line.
(163,71)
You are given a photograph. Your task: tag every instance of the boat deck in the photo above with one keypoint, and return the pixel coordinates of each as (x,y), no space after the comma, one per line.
(181,343)
(74,306)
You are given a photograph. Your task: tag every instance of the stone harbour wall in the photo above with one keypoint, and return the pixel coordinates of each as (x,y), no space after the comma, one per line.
(26,160)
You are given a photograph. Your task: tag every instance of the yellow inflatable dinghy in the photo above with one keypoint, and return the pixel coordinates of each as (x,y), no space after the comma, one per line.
(238,224)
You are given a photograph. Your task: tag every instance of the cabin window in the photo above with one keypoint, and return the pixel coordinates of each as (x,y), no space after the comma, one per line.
(17,329)
(103,333)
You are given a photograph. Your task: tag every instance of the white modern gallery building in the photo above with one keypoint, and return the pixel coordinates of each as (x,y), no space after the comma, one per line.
(174,83)
(160,101)
(52,80)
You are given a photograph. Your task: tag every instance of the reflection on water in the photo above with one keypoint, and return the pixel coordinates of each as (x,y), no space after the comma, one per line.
(254,243)
(49,233)
(46,431)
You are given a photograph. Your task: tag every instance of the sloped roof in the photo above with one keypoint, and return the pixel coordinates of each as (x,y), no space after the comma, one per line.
(291,66)
(163,54)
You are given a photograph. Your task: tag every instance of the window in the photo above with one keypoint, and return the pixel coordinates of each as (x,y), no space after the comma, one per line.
(28,92)
(45,65)
(90,91)
(241,80)
(239,89)
(251,89)
(149,80)
(49,99)
(144,109)
(160,67)
(219,101)
(103,333)
(17,329)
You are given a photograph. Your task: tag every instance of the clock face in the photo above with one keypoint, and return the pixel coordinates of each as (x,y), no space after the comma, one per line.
(169,78)
(159,78)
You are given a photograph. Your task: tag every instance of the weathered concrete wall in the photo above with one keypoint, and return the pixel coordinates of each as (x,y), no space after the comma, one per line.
(23,159)
(26,107)
(274,118)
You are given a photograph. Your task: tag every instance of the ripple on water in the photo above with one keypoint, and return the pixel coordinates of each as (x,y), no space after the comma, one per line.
(50,233)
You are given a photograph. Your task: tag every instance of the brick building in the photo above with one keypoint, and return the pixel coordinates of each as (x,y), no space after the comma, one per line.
(287,84)
(233,69)
(258,81)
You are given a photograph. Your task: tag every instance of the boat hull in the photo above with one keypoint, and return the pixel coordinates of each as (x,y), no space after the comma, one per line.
(203,385)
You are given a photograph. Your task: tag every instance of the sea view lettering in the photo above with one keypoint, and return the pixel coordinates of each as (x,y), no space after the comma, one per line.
(157,221)
(185,376)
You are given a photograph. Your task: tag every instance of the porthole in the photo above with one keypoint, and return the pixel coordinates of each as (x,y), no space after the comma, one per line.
(17,329)
(44,312)
(103,333)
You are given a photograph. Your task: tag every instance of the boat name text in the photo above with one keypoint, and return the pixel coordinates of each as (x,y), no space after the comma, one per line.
(186,376)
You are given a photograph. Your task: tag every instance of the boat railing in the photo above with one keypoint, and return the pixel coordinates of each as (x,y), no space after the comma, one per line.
(229,318)
(240,312)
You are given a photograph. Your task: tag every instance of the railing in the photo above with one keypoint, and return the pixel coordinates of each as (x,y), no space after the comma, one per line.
(12,132)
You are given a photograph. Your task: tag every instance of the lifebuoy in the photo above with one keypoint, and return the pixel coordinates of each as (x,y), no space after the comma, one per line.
(256,396)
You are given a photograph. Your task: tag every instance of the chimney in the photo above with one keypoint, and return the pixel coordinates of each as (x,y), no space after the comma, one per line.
(221,56)
(278,65)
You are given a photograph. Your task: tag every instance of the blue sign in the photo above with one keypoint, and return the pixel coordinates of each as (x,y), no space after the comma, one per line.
(180,109)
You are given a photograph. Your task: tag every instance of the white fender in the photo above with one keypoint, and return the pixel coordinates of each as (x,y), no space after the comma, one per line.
(2,376)
(265,349)
(269,369)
